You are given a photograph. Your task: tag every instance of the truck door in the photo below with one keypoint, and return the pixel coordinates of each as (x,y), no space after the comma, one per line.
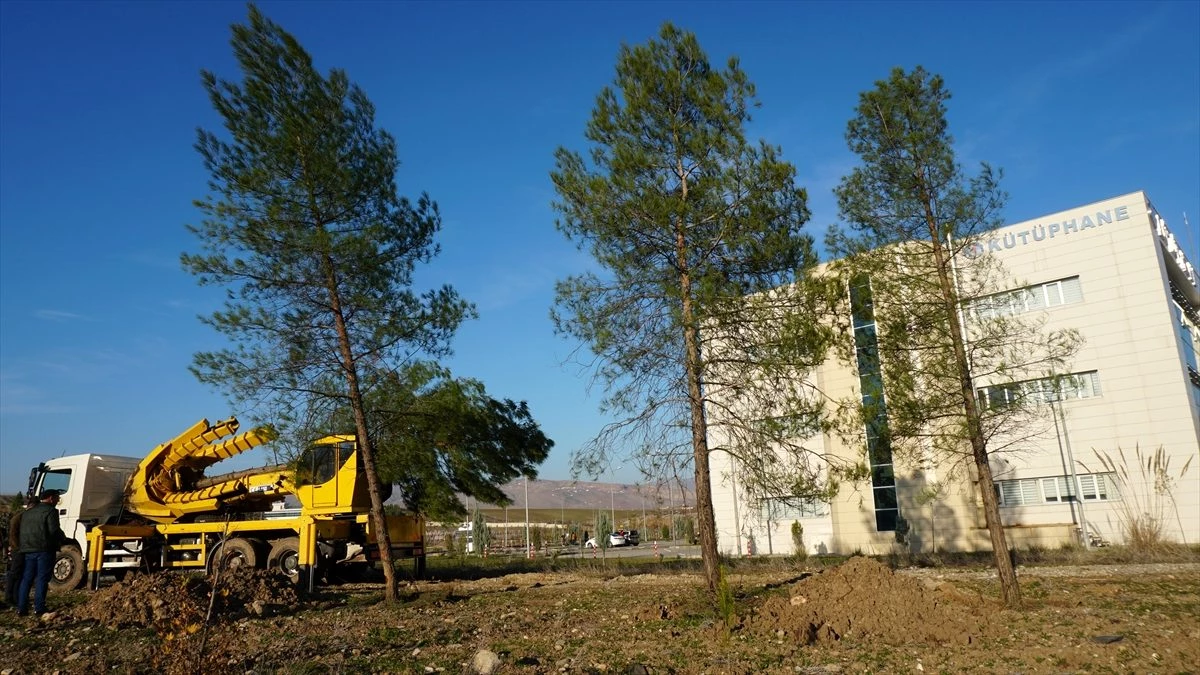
(315,474)
(60,479)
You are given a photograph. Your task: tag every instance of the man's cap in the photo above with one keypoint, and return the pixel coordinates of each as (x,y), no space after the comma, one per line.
(47,494)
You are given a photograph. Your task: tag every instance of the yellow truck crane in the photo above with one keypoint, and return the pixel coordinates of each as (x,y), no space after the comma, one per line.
(123,514)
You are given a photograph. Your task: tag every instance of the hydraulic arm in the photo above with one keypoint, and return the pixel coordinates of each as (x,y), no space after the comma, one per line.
(169,483)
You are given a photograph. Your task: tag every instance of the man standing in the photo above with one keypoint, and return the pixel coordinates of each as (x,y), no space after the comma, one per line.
(16,559)
(40,538)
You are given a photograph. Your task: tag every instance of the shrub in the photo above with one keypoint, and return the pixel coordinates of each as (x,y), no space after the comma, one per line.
(725,603)
(480,533)
(686,527)
(798,540)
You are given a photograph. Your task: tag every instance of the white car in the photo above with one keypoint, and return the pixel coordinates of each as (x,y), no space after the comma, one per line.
(614,539)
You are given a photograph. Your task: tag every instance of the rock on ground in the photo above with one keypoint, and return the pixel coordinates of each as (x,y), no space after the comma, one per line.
(485,662)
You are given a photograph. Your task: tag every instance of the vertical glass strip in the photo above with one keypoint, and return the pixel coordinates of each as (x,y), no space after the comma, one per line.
(870,379)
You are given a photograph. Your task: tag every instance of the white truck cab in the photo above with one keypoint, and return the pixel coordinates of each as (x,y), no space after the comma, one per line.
(91,492)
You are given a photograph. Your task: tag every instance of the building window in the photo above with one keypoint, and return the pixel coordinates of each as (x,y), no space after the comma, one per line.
(870,379)
(1028,299)
(1189,335)
(791,508)
(1042,390)
(1056,489)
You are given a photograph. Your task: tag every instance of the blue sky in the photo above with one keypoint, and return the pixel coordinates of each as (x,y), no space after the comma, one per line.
(99,103)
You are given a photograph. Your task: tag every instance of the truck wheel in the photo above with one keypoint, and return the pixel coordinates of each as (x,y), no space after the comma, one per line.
(67,573)
(237,553)
(285,557)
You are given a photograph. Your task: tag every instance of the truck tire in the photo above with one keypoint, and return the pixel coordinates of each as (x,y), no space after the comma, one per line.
(285,557)
(237,553)
(68,571)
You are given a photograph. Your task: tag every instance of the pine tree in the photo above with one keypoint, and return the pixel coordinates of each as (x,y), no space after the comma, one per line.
(304,226)
(685,218)
(912,266)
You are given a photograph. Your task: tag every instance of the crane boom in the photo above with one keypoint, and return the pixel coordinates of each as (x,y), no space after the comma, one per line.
(165,486)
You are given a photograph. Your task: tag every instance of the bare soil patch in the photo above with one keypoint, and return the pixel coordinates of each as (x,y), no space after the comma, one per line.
(864,600)
(859,617)
(171,603)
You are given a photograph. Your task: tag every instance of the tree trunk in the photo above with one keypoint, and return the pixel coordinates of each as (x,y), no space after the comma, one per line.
(1009,588)
(704,506)
(382,537)
(366,450)
(706,520)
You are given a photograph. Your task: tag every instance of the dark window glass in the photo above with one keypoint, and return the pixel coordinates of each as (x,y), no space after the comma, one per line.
(870,378)
(879,453)
(872,386)
(885,520)
(885,498)
(866,350)
(317,465)
(58,479)
(883,475)
(862,307)
(345,451)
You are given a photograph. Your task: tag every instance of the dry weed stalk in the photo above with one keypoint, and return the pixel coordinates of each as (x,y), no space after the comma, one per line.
(1142,513)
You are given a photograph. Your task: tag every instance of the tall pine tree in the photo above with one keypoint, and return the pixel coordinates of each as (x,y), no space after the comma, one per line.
(912,262)
(304,227)
(685,218)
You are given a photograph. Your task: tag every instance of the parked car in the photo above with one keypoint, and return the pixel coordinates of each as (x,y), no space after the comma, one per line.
(614,539)
(633,538)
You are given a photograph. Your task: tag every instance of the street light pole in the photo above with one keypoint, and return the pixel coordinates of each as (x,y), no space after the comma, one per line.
(671,498)
(1076,488)
(612,504)
(643,496)
(527,541)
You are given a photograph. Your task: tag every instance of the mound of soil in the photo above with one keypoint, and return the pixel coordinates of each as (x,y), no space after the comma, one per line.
(864,600)
(178,603)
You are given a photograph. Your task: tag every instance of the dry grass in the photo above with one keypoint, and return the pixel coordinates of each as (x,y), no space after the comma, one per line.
(1147,496)
(478,568)
(639,616)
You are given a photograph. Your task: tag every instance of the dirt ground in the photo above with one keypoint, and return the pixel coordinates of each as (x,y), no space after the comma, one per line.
(786,618)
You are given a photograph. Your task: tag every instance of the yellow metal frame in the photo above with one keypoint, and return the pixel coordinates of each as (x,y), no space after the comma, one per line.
(164,489)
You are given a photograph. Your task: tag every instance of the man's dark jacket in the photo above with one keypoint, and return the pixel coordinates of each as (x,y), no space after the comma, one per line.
(14,531)
(40,530)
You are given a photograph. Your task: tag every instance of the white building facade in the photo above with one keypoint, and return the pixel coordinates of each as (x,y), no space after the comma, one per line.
(1116,273)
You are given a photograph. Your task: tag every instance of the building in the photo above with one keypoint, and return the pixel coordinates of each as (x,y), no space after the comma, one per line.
(1116,273)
